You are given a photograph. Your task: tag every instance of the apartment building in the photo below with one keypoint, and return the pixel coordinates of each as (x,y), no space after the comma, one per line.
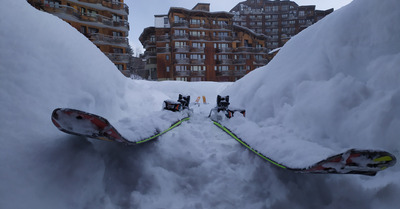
(199,45)
(104,22)
(279,20)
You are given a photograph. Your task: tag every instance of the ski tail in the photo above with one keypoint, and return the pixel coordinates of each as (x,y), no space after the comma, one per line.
(353,161)
(80,123)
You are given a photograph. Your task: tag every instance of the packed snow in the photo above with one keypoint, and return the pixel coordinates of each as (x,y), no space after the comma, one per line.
(334,86)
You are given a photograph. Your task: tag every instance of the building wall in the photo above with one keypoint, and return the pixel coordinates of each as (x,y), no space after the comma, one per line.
(278,20)
(202,46)
(104,22)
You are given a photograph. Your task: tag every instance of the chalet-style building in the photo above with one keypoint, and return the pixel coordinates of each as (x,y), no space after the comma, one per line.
(277,19)
(104,22)
(199,45)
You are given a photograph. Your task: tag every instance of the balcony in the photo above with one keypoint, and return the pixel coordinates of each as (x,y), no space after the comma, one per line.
(87,17)
(118,57)
(224,62)
(182,49)
(197,49)
(201,25)
(197,73)
(260,62)
(163,38)
(197,61)
(180,36)
(182,61)
(244,49)
(239,72)
(222,38)
(199,37)
(180,24)
(113,5)
(98,38)
(239,61)
(224,73)
(182,73)
(223,50)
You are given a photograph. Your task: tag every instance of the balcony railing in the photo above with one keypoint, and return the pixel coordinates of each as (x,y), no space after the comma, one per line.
(197,49)
(261,62)
(224,73)
(223,50)
(182,49)
(198,73)
(199,37)
(118,57)
(98,38)
(180,24)
(197,61)
(239,72)
(222,38)
(180,36)
(239,61)
(224,62)
(163,38)
(182,73)
(182,61)
(89,17)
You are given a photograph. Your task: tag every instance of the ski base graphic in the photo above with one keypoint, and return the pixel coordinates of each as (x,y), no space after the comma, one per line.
(85,124)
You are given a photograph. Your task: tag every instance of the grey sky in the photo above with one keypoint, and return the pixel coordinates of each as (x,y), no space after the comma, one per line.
(142,11)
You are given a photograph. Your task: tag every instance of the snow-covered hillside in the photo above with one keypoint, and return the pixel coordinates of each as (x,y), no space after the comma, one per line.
(335,84)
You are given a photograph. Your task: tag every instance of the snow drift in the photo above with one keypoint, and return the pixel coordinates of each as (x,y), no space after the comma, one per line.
(334,84)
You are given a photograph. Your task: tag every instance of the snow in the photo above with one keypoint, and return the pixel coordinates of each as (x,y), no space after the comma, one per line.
(334,86)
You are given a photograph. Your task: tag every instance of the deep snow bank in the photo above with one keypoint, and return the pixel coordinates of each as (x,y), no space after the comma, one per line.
(196,166)
(336,83)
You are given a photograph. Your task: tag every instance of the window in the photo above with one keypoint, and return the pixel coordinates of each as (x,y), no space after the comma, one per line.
(167,57)
(198,45)
(167,69)
(93,30)
(116,18)
(222,68)
(166,20)
(180,32)
(120,66)
(117,34)
(181,68)
(180,44)
(197,56)
(220,45)
(197,68)
(181,78)
(180,56)
(301,13)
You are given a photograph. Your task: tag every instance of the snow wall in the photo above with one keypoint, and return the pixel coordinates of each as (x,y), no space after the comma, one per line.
(335,83)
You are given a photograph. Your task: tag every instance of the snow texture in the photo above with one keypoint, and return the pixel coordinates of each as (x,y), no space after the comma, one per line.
(334,86)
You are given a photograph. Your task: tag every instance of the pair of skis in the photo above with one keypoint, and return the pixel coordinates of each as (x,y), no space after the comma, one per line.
(353,161)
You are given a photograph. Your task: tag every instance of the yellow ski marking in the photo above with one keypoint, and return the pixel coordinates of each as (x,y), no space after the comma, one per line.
(384,158)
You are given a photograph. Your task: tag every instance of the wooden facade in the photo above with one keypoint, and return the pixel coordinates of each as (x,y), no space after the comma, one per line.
(104,22)
(199,45)
(279,20)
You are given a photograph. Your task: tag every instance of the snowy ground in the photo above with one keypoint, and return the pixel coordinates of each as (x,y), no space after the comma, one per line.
(334,85)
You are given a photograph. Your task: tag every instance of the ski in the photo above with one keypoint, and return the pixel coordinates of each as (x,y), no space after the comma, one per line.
(353,161)
(80,123)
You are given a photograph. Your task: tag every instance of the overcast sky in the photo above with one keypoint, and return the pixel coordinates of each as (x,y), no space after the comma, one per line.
(141,12)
